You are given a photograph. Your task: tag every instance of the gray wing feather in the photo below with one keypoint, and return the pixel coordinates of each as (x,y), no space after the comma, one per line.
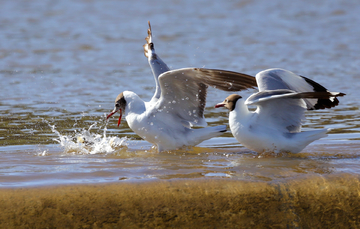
(183,96)
(285,109)
(278,78)
(277,109)
(183,91)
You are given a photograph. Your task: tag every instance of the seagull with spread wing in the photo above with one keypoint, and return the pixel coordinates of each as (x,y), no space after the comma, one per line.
(178,103)
(275,126)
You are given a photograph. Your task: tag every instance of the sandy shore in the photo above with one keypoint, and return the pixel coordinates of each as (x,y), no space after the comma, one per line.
(311,202)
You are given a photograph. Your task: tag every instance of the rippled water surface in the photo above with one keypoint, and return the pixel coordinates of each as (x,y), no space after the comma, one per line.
(62,63)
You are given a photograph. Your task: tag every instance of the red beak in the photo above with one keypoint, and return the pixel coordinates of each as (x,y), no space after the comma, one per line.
(219,105)
(111,114)
(120,118)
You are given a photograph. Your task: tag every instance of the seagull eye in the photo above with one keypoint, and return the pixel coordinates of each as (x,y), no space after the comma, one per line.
(117,105)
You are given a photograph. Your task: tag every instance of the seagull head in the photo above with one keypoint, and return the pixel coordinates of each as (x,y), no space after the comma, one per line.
(120,104)
(229,102)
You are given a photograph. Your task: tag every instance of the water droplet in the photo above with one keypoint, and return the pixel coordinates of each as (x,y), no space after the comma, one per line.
(151,123)
(173,101)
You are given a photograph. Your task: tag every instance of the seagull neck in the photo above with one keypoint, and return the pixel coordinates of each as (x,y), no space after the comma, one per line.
(241,110)
(134,104)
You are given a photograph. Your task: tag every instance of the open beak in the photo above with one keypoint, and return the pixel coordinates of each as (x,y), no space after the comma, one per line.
(113,112)
(219,105)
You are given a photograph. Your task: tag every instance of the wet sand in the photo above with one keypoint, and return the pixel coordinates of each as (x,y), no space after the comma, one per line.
(315,201)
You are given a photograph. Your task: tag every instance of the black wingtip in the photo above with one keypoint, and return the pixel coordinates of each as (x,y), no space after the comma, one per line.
(322,103)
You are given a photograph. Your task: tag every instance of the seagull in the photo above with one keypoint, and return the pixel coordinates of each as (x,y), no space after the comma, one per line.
(178,104)
(275,126)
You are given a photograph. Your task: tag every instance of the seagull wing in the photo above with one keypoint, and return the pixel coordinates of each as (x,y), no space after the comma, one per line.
(156,64)
(183,91)
(224,80)
(277,78)
(284,109)
(183,96)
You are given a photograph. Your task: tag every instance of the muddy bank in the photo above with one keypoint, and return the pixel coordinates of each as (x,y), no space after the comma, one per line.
(311,202)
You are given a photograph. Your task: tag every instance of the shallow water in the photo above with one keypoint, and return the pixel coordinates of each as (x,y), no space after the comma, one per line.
(62,63)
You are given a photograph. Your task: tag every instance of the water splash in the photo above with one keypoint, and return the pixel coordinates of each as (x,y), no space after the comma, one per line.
(43,153)
(85,142)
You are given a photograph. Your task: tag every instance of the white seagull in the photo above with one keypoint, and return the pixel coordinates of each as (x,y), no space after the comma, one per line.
(178,103)
(275,126)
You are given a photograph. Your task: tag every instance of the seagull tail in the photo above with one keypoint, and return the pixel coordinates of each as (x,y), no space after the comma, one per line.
(202,134)
(307,137)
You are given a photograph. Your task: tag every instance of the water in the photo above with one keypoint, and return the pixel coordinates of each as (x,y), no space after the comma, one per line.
(62,64)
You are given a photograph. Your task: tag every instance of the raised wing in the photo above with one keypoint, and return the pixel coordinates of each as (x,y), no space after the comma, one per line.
(156,64)
(224,80)
(183,96)
(183,91)
(276,78)
(283,108)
